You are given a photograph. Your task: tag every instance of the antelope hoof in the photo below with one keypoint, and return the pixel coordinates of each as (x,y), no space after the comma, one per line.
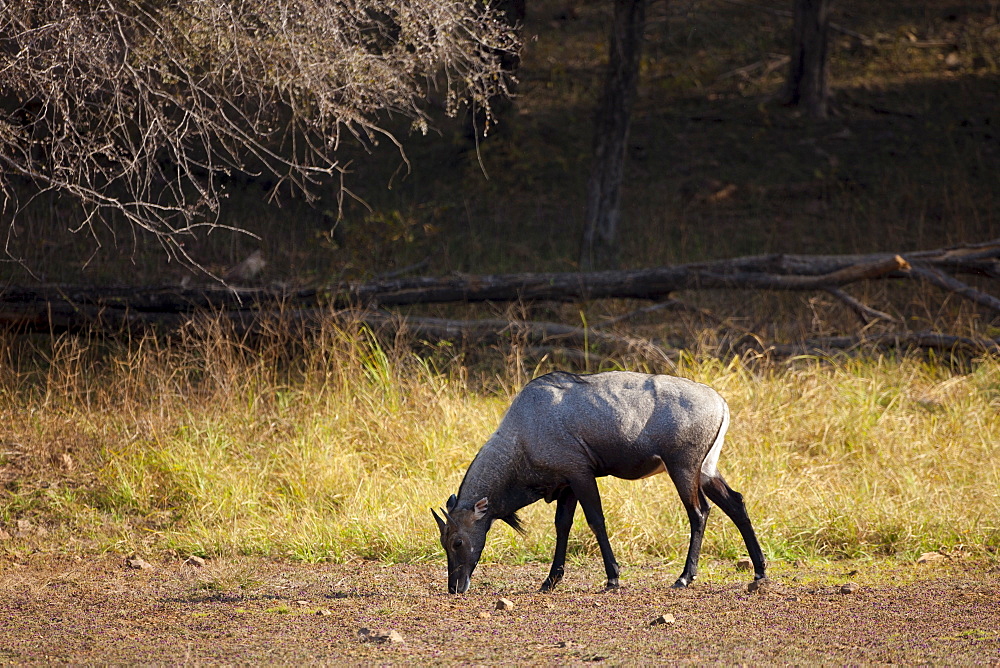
(549,584)
(681,583)
(612,584)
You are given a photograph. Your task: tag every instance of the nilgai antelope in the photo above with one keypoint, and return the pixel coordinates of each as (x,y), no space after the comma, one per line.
(562,432)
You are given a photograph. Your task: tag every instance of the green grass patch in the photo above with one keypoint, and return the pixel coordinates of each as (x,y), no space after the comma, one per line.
(340,453)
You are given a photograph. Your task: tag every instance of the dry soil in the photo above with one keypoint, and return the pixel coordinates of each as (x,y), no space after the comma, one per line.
(101,610)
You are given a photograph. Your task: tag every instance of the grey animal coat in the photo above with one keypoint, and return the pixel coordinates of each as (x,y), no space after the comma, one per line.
(563,431)
(619,423)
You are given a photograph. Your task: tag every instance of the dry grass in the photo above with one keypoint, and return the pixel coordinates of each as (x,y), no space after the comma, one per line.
(334,446)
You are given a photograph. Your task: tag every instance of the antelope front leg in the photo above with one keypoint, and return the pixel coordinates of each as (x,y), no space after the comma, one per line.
(565,508)
(590,500)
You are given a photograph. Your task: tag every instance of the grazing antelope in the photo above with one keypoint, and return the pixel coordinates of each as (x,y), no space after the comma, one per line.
(562,432)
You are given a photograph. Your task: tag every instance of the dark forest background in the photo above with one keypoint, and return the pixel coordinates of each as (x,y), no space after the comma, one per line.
(718,165)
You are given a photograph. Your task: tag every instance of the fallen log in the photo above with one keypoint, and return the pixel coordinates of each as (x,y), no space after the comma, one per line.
(764,272)
(74,308)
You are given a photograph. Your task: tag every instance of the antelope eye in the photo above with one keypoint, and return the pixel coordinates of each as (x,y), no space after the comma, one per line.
(457,543)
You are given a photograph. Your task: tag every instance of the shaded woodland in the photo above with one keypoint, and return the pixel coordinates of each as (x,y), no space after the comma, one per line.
(726,184)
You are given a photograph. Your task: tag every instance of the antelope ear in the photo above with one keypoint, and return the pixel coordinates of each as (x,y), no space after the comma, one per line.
(481,506)
(452,502)
(440,522)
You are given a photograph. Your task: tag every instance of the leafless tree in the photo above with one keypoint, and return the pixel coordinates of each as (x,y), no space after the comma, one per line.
(139,109)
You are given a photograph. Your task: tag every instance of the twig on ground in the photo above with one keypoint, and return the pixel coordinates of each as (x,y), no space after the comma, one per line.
(670,305)
(866,313)
(933,340)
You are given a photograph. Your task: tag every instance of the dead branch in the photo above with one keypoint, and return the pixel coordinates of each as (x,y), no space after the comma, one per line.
(923,340)
(75,308)
(940,279)
(762,272)
(669,305)
(145,109)
(866,313)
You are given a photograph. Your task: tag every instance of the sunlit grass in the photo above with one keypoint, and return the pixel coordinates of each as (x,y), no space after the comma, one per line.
(850,459)
(335,446)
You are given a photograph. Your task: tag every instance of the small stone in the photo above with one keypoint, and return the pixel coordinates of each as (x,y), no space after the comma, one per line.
(663,619)
(484,615)
(930,557)
(953,61)
(505,604)
(195,560)
(380,637)
(849,588)
(324,612)
(4,535)
(744,564)
(302,603)
(24,528)
(759,586)
(566,644)
(138,563)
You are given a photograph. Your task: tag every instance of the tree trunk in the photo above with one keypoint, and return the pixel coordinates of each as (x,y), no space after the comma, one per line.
(807,86)
(611,128)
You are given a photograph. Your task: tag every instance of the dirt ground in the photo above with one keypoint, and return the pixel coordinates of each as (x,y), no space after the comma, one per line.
(100,610)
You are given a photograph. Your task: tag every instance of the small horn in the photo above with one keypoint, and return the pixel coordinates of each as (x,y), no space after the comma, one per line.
(440,522)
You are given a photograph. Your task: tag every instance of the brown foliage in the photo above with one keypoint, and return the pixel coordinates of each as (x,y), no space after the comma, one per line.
(140,110)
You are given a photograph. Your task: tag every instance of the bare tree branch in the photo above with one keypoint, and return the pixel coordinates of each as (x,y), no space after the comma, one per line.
(866,313)
(141,111)
(942,280)
(931,340)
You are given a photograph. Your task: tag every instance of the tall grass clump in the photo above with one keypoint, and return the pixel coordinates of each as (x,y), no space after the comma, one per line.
(847,458)
(333,444)
(316,447)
